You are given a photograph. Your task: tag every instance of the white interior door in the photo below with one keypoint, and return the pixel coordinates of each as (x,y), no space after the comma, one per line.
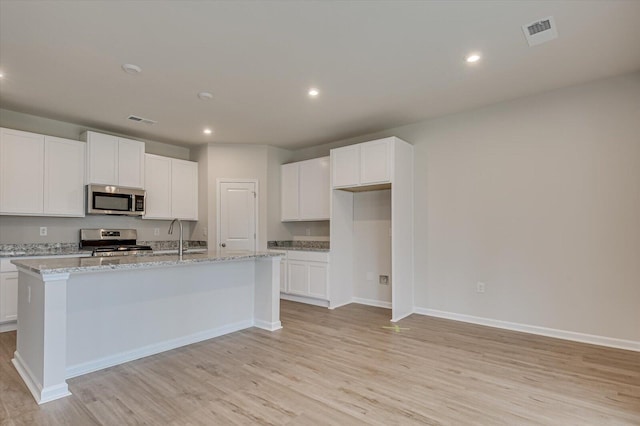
(237,216)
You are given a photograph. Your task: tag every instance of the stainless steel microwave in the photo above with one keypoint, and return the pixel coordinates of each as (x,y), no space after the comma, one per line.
(108,199)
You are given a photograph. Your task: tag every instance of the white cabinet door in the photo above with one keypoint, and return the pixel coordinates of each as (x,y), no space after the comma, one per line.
(315,189)
(130,163)
(21,172)
(346,166)
(157,179)
(114,161)
(298,277)
(184,189)
(318,280)
(307,274)
(375,162)
(102,158)
(172,188)
(8,296)
(64,162)
(289,192)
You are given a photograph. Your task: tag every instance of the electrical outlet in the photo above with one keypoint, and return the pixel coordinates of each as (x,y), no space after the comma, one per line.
(308,232)
(204,232)
(156,231)
(383,279)
(480,287)
(43,231)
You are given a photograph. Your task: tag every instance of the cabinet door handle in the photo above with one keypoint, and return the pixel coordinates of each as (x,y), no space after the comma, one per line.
(223,245)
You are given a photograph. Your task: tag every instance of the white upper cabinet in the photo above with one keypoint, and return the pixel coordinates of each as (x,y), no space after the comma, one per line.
(130,163)
(157,172)
(21,172)
(172,188)
(368,163)
(64,161)
(376,160)
(184,189)
(40,175)
(305,190)
(346,166)
(112,160)
(290,192)
(102,158)
(314,189)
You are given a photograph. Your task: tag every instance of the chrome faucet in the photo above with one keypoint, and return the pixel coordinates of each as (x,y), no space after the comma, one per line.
(180,250)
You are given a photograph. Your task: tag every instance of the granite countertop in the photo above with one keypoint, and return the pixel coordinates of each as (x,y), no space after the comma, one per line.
(41,249)
(320,246)
(117,263)
(70,249)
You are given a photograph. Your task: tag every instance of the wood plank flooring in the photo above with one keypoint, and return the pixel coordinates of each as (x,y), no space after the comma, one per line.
(342,367)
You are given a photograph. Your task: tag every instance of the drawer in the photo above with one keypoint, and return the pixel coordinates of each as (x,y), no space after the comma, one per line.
(311,256)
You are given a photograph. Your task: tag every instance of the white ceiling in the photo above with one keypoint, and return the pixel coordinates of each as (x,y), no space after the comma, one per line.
(378,64)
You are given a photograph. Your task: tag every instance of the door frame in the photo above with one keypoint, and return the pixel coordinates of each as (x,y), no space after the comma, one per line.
(220,181)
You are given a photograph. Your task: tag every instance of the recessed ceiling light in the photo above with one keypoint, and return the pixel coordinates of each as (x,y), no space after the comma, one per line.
(313,92)
(1,75)
(205,96)
(474,57)
(207,131)
(131,69)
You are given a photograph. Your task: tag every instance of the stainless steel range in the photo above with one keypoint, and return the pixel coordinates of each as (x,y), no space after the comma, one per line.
(112,242)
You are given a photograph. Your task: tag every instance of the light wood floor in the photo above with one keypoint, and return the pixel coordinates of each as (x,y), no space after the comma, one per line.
(341,367)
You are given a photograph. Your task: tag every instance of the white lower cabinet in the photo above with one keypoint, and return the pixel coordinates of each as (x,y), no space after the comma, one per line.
(307,274)
(8,296)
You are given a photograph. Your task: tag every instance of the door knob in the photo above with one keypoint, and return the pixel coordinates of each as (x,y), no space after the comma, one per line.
(223,245)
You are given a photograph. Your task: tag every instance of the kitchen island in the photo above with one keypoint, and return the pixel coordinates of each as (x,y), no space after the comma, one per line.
(78,315)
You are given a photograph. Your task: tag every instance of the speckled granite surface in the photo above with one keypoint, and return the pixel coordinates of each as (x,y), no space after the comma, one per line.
(60,249)
(39,249)
(173,244)
(299,245)
(118,263)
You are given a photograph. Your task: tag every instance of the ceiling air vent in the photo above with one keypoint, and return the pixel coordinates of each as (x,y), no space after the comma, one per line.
(540,31)
(141,120)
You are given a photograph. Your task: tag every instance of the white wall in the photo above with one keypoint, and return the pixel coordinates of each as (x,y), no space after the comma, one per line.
(240,162)
(372,245)
(276,230)
(539,198)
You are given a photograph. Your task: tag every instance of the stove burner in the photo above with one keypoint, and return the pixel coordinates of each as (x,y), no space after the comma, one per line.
(112,242)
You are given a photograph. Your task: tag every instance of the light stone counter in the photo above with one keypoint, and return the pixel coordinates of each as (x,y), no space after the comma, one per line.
(91,264)
(78,315)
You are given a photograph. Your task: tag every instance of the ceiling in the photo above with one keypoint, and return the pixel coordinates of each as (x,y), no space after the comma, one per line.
(377,64)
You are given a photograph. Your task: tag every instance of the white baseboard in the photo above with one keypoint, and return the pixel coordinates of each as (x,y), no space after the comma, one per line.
(533,329)
(269,326)
(372,302)
(339,305)
(120,358)
(8,326)
(40,394)
(302,299)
